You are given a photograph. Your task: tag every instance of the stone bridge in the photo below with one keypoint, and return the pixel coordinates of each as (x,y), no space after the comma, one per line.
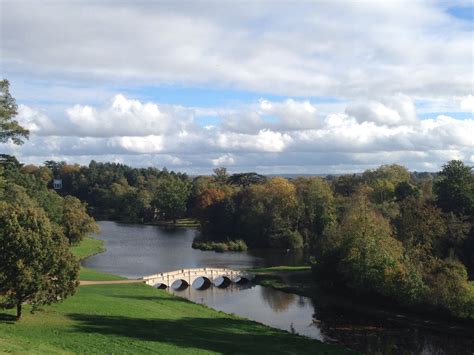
(188,276)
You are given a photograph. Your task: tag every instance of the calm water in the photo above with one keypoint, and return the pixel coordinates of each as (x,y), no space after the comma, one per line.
(134,250)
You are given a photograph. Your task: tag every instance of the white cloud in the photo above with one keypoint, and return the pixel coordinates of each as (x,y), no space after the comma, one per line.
(467,103)
(348,49)
(123,116)
(35,121)
(358,137)
(223,160)
(392,111)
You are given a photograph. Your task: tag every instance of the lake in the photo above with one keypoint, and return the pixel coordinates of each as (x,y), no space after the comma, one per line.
(138,250)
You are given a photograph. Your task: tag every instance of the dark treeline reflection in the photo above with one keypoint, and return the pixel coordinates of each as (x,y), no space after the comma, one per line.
(332,323)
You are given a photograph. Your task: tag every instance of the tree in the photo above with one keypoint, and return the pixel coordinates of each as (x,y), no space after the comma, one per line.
(316,201)
(9,128)
(455,189)
(171,197)
(404,190)
(76,222)
(247,179)
(36,265)
(221,176)
(420,227)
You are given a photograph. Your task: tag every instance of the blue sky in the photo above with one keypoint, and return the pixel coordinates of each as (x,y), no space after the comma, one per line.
(311,87)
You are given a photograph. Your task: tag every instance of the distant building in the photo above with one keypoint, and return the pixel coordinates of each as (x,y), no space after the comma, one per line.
(57,184)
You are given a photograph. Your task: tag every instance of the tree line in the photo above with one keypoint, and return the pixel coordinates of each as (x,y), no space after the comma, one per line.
(406,237)
(401,236)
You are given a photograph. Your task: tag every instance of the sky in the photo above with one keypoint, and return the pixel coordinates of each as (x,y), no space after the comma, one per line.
(267,86)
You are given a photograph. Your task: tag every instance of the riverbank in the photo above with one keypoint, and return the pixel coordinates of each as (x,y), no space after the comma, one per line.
(179,223)
(135,318)
(299,280)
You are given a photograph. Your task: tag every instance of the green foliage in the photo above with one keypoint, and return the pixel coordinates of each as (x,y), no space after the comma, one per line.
(76,222)
(9,128)
(420,227)
(317,207)
(286,239)
(36,265)
(221,177)
(449,288)
(384,180)
(455,189)
(233,245)
(246,179)
(404,190)
(280,269)
(171,197)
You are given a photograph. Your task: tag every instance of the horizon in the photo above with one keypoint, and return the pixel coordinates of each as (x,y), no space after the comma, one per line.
(272,87)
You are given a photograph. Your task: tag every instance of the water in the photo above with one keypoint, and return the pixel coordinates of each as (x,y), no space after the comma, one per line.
(138,250)
(134,250)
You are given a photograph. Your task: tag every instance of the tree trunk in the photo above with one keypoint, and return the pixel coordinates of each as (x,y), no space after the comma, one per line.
(18,311)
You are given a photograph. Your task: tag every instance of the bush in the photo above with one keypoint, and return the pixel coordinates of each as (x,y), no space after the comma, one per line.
(286,239)
(235,245)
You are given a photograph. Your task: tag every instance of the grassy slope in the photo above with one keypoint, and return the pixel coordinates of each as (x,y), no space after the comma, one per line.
(141,319)
(91,246)
(279,269)
(135,318)
(88,247)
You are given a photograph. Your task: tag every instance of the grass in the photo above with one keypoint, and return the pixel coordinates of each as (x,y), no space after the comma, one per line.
(183,222)
(138,319)
(88,247)
(280,269)
(293,279)
(87,274)
(135,318)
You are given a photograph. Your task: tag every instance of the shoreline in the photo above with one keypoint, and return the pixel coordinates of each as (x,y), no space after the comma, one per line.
(281,281)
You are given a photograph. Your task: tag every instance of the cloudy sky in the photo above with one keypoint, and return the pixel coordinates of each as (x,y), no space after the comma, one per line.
(269,86)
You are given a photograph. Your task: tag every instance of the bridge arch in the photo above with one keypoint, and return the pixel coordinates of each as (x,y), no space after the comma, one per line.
(179,284)
(205,284)
(221,277)
(240,280)
(222,281)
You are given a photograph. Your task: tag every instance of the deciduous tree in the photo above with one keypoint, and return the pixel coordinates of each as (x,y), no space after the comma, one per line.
(36,265)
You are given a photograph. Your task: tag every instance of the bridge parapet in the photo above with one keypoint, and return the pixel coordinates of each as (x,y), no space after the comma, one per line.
(190,275)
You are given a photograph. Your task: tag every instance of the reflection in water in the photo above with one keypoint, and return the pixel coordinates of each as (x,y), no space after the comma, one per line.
(279,301)
(264,305)
(134,250)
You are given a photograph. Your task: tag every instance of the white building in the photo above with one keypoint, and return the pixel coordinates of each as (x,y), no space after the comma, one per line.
(57,184)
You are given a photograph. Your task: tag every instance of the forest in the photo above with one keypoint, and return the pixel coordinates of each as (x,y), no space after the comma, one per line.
(402,236)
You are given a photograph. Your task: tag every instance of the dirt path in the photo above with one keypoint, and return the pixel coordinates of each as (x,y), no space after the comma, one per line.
(131,281)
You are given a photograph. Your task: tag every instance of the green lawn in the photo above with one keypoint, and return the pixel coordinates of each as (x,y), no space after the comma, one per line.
(135,318)
(87,274)
(280,269)
(89,246)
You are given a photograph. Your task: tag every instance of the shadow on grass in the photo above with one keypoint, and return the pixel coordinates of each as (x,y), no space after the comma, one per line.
(214,334)
(154,298)
(7,318)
